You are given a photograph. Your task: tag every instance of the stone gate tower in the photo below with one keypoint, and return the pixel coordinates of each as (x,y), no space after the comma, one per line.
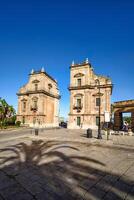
(88,91)
(38,101)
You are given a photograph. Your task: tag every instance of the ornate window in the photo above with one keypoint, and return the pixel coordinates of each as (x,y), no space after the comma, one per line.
(79,103)
(34,106)
(49,87)
(24,105)
(35,82)
(78,79)
(79,82)
(36,87)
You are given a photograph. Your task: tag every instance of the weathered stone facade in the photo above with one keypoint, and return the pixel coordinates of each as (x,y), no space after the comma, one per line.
(87,91)
(123,107)
(38,101)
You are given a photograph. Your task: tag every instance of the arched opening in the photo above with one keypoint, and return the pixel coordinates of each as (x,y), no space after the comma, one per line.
(123,114)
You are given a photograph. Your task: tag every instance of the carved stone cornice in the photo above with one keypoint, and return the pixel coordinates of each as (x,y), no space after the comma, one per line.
(98,94)
(90,87)
(24,100)
(30,115)
(70,114)
(122,104)
(39,92)
(79,95)
(81,64)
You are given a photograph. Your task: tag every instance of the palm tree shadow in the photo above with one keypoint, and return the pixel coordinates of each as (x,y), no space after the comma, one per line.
(53,170)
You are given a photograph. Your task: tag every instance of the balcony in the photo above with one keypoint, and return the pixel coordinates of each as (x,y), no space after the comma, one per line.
(88,86)
(76,87)
(78,108)
(34,108)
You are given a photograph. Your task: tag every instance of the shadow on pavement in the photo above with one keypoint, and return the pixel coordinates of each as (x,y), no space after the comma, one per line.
(45,170)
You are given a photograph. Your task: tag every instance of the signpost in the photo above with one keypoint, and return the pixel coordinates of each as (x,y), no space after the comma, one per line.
(107,116)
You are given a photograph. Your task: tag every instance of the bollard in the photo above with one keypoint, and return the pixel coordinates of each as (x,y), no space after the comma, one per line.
(108,130)
(108,134)
(36,131)
(89,133)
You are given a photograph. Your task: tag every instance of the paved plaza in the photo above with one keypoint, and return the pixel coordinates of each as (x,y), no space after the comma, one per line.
(65,165)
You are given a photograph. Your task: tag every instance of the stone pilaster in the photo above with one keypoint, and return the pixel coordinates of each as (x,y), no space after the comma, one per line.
(118,121)
(56,111)
(86,106)
(132,122)
(71,103)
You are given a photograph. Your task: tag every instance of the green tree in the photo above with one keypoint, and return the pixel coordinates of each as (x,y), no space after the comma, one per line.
(127,119)
(6,111)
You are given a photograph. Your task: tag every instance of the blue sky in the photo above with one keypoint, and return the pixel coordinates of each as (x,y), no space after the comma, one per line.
(55,32)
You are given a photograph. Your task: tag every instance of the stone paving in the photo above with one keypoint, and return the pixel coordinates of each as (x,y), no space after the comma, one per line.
(65,165)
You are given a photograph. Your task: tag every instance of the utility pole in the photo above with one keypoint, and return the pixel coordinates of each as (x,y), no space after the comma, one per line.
(99,125)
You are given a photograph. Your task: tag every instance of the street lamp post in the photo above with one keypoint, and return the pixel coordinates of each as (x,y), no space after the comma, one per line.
(99,125)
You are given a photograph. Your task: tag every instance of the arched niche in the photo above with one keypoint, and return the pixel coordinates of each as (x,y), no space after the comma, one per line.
(78,95)
(78,75)
(35,81)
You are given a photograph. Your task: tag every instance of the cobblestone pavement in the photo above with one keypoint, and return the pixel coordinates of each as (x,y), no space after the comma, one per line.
(65,165)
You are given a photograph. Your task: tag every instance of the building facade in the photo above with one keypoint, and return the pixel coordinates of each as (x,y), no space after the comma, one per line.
(89,96)
(38,101)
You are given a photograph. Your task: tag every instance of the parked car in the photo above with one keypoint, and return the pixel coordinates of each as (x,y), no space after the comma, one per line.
(63,124)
